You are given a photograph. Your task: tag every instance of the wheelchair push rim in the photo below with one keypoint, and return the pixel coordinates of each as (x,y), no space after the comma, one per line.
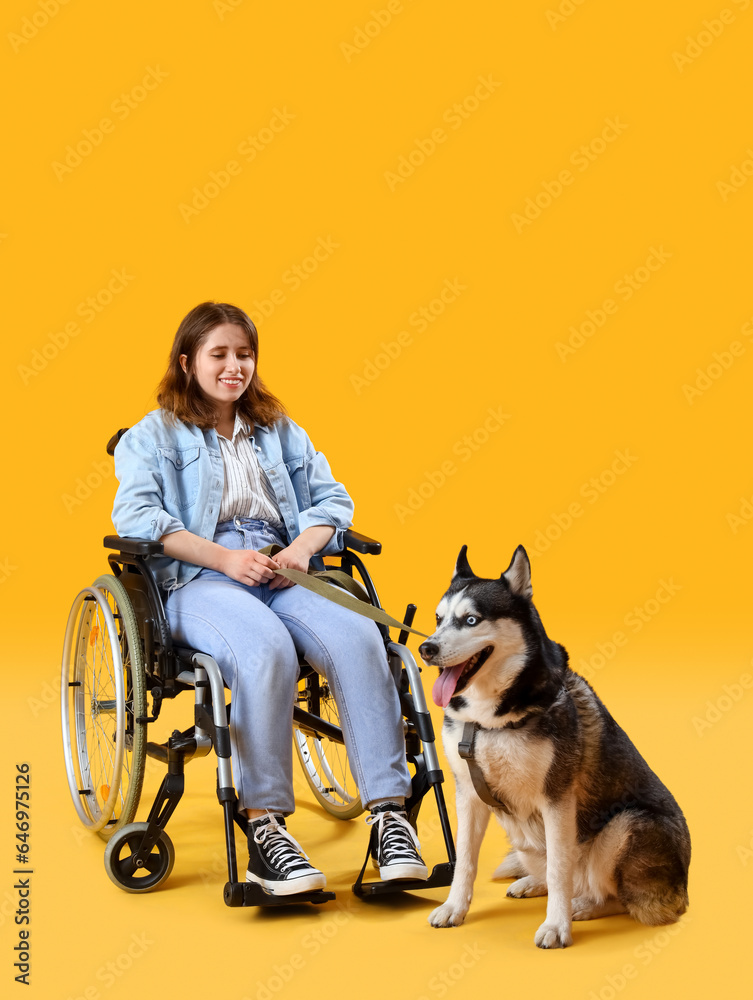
(92,699)
(134,686)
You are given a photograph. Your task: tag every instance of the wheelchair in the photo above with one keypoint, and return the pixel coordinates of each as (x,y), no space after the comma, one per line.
(118,654)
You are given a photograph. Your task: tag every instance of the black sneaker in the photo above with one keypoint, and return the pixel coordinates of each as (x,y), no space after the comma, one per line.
(277,861)
(395,853)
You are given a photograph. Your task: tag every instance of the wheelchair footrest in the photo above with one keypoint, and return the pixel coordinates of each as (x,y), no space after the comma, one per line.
(252,894)
(440,876)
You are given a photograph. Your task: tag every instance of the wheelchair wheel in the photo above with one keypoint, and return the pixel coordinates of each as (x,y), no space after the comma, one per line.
(99,742)
(130,875)
(134,682)
(325,763)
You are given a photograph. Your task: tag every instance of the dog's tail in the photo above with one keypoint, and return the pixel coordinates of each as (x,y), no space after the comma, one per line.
(652,874)
(511,867)
(656,908)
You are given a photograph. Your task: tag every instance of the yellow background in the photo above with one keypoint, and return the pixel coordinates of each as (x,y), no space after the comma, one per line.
(225,72)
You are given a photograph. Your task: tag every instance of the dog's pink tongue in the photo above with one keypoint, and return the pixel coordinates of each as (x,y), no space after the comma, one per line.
(445,684)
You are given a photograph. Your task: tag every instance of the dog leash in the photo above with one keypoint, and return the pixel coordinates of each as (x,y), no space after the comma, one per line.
(336,586)
(467,750)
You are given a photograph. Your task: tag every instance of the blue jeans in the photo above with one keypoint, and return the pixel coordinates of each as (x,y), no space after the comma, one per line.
(256,634)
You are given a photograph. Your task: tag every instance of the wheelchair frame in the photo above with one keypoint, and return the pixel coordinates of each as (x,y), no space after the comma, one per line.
(170,669)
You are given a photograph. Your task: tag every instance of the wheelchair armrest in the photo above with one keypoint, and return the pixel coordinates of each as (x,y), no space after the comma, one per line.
(133,546)
(361,543)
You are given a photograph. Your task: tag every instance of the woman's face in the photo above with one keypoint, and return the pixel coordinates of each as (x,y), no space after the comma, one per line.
(223,365)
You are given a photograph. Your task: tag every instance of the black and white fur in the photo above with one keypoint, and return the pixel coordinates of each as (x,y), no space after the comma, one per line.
(590,823)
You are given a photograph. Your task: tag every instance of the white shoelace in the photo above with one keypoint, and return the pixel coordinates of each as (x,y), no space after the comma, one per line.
(396,841)
(284,850)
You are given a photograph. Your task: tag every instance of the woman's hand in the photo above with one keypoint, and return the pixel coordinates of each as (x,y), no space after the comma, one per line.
(295,556)
(300,550)
(248,566)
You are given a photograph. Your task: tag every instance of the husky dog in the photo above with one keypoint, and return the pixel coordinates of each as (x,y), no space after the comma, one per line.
(589,821)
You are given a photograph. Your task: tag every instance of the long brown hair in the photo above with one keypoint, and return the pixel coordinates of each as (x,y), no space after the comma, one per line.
(180,395)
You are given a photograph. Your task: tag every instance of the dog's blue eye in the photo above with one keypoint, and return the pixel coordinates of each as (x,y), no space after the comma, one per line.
(471,620)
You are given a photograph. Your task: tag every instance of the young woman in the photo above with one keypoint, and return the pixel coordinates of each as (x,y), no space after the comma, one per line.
(218,472)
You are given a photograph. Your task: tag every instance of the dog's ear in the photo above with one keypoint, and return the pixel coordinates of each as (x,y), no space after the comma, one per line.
(518,573)
(462,569)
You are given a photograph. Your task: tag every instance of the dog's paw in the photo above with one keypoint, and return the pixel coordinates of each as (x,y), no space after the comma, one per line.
(447,916)
(526,887)
(553,936)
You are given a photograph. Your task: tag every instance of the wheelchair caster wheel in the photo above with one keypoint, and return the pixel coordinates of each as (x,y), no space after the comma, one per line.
(134,874)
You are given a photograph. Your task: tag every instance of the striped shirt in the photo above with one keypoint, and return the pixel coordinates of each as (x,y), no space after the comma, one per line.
(247,491)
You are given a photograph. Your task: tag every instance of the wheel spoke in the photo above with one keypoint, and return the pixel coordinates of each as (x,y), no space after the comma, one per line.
(101,757)
(96,660)
(106,741)
(102,645)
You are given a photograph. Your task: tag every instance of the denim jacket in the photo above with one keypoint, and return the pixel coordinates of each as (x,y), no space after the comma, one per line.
(171,478)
